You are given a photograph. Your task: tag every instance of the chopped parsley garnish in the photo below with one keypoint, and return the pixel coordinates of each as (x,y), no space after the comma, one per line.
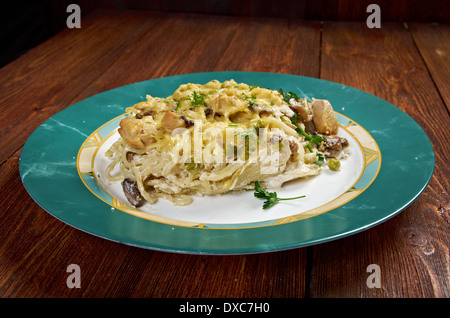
(251,99)
(254,86)
(271,197)
(197,99)
(288,95)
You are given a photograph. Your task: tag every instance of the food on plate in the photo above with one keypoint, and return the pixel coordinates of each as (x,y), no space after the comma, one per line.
(218,137)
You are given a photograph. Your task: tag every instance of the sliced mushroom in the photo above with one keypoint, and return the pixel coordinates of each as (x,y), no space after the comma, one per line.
(302,108)
(208,111)
(130,156)
(187,121)
(293,146)
(333,145)
(132,192)
(304,111)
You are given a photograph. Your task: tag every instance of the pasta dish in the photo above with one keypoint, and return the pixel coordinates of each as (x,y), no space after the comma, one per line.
(219,137)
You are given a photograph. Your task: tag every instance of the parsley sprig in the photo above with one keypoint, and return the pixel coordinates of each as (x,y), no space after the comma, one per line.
(271,197)
(288,95)
(321,160)
(316,139)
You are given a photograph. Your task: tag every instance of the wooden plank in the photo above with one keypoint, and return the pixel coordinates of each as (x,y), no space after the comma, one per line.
(195,43)
(45,80)
(111,269)
(274,45)
(199,43)
(186,44)
(412,248)
(178,44)
(433,42)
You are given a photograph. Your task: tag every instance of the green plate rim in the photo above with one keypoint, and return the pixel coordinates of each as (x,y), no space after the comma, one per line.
(48,171)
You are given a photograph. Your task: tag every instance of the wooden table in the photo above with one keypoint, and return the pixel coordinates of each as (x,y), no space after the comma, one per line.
(406,64)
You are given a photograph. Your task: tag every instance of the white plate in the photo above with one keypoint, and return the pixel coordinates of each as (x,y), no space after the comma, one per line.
(323,192)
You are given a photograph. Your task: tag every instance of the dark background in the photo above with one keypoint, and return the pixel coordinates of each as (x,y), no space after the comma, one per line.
(25,24)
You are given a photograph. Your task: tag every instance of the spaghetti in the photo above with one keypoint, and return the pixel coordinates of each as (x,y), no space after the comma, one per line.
(219,137)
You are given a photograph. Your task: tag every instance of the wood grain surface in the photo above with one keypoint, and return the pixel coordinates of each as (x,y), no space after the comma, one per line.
(407,64)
